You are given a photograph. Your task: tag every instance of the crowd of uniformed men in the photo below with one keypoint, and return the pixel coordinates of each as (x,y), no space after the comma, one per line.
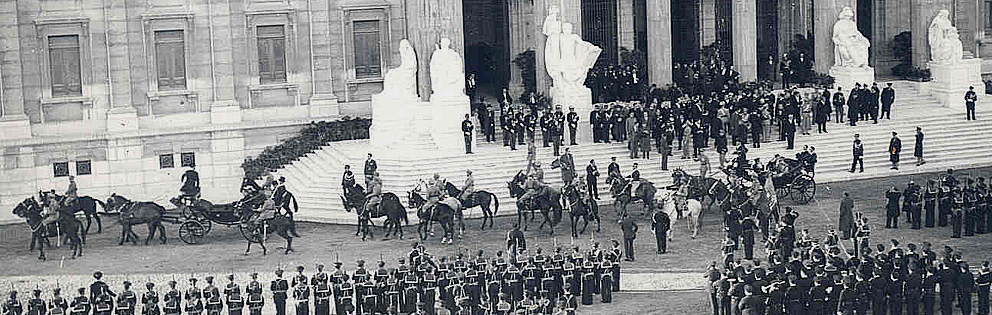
(963,204)
(555,283)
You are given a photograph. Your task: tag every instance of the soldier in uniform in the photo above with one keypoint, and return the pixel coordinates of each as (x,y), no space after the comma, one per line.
(301,293)
(279,286)
(588,281)
(194,306)
(594,118)
(212,295)
(58,304)
(930,203)
(513,284)
(966,285)
(80,304)
(347,295)
(150,300)
(235,303)
(957,212)
(573,125)
(127,301)
(929,291)
(429,292)
(172,300)
(255,299)
(530,124)
(37,305)
(467,128)
(606,281)
(321,292)
(982,283)
(570,301)
(370,169)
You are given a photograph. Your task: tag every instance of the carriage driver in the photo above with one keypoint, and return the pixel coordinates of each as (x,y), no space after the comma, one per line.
(375,193)
(469,187)
(191,183)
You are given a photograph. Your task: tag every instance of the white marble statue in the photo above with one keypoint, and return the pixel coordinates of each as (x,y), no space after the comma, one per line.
(552,52)
(945,46)
(401,82)
(447,73)
(578,56)
(850,46)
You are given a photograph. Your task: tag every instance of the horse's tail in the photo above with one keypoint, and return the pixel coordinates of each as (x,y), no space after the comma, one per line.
(403,214)
(495,203)
(296,207)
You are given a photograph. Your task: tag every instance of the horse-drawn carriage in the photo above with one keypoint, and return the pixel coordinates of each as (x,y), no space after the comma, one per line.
(792,178)
(196,217)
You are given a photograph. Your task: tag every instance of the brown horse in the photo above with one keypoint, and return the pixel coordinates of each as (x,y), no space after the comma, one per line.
(133,213)
(66,224)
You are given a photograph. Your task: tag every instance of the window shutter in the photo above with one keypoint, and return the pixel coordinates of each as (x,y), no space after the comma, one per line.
(279,59)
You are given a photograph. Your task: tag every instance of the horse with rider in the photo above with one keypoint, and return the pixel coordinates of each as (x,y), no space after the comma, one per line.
(438,207)
(533,194)
(372,205)
(70,203)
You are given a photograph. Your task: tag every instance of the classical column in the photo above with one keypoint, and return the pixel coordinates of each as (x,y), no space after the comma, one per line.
(659,41)
(429,21)
(923,12)
(13,122)
(707,17)
(625,23)
(825,15)
(520,17)
(323,102)
(745,34)
(571,12)
(968,19)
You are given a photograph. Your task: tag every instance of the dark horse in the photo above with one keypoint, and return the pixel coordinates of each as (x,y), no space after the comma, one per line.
(702,187)
(581,208)
(390,207)
(441,213)
(86,204)
(66,224)
(279,224)
(620,189)
(133,213)
(477,198)
(547,201)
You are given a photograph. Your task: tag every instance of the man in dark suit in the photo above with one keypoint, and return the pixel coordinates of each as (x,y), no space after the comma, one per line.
(545,123)
(592,179)
(573,125)
(594,123)
(490,124)
(858,152)
(467,128)
(873,102)
(660,223)
(895,146)
(888,97)
(852,104)
(629,227)
(839,106)
(505,119)
(789,127)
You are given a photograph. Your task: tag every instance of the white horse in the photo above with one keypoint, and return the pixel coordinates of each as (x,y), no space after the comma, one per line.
(665,202)
(692,207)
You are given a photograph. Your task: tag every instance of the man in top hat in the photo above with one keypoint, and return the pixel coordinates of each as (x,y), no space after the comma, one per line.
(191,182)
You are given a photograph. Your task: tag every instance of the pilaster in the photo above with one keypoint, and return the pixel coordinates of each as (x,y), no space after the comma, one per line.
(222,51)
(745,24)
(707,17)
(14,123)
(429,21)
(659,41)
(323,102)
(120,57)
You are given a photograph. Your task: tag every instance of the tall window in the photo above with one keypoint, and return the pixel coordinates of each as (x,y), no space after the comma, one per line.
(170,59)
(63,54)
(367,60)
(272,54)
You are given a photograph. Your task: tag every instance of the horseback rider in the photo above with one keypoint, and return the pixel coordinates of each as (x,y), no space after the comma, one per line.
(435,191)
(191,183)
(532,187)
(538,172)
(347,180)
(469,187)
(70,193)
(635,181)
(613,171)
(374,196)
(268,210)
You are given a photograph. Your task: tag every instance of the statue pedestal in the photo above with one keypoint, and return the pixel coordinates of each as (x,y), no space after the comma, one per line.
(581,100)
(951,81)
(392,118)
(846,77)
(447,115)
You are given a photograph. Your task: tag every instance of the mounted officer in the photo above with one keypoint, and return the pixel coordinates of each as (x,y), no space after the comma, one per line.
(374,196)
(468,189)
(347,180)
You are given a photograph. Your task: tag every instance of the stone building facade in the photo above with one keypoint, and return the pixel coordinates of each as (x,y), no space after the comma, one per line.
(123,93)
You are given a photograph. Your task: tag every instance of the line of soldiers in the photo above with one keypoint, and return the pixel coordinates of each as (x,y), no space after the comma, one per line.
(962,204)
(521,124)
(518,284)
(808,276)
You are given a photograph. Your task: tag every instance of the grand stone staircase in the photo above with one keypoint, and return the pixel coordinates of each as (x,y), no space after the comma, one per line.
(951,142)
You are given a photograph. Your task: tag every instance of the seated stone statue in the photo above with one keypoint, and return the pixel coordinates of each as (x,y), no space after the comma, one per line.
(401,82)
(945,46)
(850,46)
(447,73)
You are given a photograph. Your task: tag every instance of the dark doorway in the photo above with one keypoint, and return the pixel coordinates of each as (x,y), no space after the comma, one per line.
(685,31)
(767,38)
(599,27)
(863,17)
(487,49)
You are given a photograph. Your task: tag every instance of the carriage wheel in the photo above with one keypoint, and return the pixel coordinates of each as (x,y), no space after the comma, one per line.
(191,232)
(206,224)
(805,189)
